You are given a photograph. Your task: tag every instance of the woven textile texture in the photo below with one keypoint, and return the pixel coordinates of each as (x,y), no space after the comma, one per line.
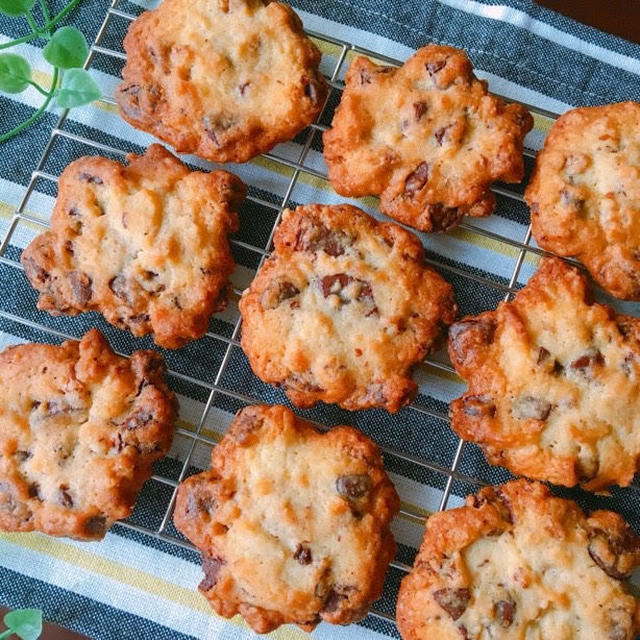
(140,582)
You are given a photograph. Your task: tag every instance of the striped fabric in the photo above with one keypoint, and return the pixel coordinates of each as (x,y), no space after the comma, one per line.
(136,585)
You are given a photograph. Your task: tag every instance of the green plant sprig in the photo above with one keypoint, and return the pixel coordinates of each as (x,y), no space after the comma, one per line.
(24,623)
(66,50)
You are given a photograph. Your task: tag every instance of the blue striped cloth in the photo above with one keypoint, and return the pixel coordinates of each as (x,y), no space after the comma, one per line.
(134,585)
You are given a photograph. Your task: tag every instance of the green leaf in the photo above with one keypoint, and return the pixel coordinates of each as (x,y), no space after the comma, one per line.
(78,88)
(16,8)
(66,49)
(25,623)
(15,73)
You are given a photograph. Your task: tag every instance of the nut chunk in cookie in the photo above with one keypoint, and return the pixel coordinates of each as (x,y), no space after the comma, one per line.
(292,523)
(517,562)
(426,138)
(79,430)
(553,383)
(144,244)
(585,194)
(224,79)
(343,309)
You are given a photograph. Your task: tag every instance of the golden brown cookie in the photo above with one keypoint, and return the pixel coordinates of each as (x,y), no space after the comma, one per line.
(426,138)
(517,563)
(224,79)
(144,244)
(293,524)
(553,383)
(343,309)
(79,430)
(585,194)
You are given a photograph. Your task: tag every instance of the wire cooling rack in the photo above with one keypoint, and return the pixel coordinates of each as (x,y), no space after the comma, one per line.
(458,470)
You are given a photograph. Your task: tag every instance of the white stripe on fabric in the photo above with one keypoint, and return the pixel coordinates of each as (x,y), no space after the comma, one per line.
(523,20)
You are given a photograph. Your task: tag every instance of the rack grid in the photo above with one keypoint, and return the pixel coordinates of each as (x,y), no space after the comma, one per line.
(216,388)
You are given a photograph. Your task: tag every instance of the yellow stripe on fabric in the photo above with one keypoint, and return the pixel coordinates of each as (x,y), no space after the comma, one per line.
(327,48)
(131,577)
(6,210)
(542,123)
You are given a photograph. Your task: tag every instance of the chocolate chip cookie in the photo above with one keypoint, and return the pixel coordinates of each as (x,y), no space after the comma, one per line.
(79,430)
(343,309)
(516,562)
(553,383)
(585,194)
(293,524)
(426,138)
(224,79)
(144,244)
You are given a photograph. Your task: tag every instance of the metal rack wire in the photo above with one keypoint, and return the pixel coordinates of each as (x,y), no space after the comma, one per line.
(216,388)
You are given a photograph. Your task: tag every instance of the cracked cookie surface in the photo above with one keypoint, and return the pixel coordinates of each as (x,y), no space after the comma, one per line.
(553,383)
(79,430)
(292,523)
(585,194)
(144,244)
(343,309)
(224,79)
(516,562)
(425,137)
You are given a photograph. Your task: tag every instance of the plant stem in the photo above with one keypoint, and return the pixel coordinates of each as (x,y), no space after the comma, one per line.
(32,23)
(36,86)
(45,11)
(24,125)
(5,634)
(52,23)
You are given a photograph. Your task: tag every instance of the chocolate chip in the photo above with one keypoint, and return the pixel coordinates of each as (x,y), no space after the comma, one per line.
(244,424)
(119,286)
(441,133)
(334,284)
(588,360)
(444,218)
(504,611)
(90,179)
(332,603)
(65,497)
(243,87)
(303,554)
(416,180)
(543,354)
(314,236)
(353,486)
(211,566)
(349,289)
(611,552)
(434,67)
(277,293)
(453,601)
(215,125)
(569,199)
(23,456)
(367,76)
(137,420)
(531,407)
(34,491)
(466,335)
(34,272)
(80,286)
(96,525)
(479,406)
(419,109)
(302,381)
